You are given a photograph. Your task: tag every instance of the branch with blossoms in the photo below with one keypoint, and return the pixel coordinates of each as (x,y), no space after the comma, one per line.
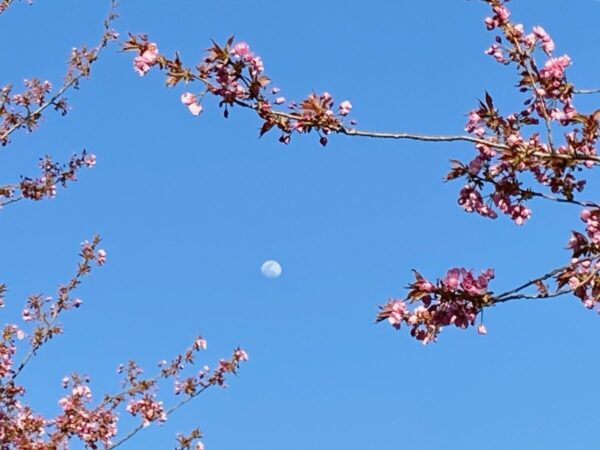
(23,428)
(142,403)
(43,312)
(45,186)
(96,426)
(460,297)
(504,153)
(24,109)
(80,421)
(511,157)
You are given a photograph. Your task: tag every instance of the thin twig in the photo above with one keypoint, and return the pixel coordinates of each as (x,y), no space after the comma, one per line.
(586,91)
(503,297)
(533,297)
(584,203)
(529,68)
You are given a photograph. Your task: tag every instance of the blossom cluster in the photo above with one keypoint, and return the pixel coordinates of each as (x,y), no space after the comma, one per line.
(582,276)
(91,425)
(80,421)
(148,408)
(52,176)
(17,109)
(456,300)
(505,151)
(95,424)
(235,74)
(190,441)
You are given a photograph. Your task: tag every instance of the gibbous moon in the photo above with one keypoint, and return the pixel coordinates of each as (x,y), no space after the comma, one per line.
(271,269)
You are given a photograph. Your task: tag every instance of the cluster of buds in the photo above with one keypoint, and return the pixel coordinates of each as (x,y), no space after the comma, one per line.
(148,408)
(20,109)
(53,175)
(91,425)
(583,280)
(190,441)
(456,300)
(95,425)
(582,276)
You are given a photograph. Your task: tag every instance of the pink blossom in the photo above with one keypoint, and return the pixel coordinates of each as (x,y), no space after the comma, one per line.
(26,315)
(547,42)
(191,101)
(195,109)
(555,68)
(146,59)
(90,160)
(279,100)
(473,124)
(573,282)
(241,49)
(151,53)
(345,108)
(187,98)
(201,343)
(481,329)
(496,51)
(257,65)
(519,213)
(241,355)
(530,39)
(101,258)
(589,303)
(149,409)
(398,308)
(502,13)
(451,279)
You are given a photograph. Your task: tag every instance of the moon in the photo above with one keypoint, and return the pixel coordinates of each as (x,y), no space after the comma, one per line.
(271,269)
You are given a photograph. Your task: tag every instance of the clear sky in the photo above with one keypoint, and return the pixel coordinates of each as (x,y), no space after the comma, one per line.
(190,207)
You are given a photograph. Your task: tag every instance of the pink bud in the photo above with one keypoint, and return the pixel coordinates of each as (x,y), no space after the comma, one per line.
(195,109)
(187,98)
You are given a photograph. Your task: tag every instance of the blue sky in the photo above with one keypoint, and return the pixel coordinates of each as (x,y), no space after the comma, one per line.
(190,207)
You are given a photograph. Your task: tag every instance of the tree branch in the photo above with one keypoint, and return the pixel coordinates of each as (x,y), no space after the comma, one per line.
(74,81)
(510,295)
(174,408)
(586,91)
